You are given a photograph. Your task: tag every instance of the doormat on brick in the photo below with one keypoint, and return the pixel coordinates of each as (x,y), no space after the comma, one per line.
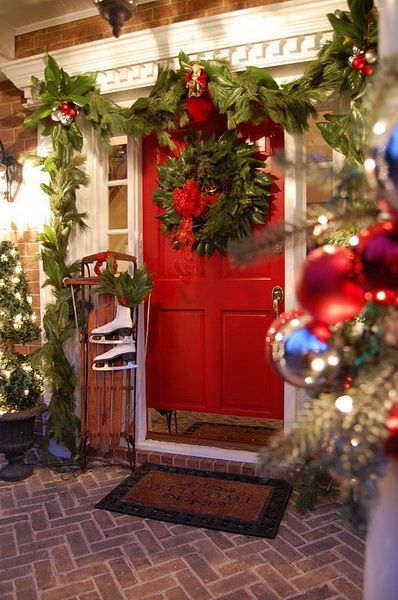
(224,501)
(230,432)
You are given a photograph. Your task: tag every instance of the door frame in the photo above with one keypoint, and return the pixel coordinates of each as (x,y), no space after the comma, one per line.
(281,37)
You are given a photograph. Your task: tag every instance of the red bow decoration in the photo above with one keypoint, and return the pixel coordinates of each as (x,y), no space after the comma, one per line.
(103,257)
(188,202)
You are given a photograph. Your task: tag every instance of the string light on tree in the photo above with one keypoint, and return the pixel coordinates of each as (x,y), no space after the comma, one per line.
(20,382)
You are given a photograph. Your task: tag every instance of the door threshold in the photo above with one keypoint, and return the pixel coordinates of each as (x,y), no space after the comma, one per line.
(197,441)
(198,450)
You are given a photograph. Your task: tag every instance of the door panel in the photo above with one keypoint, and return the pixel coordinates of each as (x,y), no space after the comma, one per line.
(206,339)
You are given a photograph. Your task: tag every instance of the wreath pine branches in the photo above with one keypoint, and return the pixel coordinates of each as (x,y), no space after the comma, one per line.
(212,193)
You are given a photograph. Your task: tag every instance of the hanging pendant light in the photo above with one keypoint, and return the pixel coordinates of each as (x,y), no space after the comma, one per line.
(116,12)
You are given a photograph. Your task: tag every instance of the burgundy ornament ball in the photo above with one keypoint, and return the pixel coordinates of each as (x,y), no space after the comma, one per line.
(327,285)
(377,254)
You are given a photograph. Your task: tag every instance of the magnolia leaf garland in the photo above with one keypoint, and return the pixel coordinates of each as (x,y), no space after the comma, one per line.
(216,190)
(250,96)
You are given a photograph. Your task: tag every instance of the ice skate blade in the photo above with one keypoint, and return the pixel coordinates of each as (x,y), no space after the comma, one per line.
(108,367)
(101,339)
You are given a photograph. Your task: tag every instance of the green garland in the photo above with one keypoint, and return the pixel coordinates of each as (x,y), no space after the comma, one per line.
(228,167)
(249,96)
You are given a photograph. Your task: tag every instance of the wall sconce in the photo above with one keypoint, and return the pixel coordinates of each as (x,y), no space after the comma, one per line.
(11,175)
(116,12)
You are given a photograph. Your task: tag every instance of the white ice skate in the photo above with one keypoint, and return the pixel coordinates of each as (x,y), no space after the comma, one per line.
(118,331)
(123,353)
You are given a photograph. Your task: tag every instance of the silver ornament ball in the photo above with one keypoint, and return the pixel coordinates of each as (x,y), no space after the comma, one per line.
(66,120)
(371,56)
(357,50)
(56,114)
(300,357)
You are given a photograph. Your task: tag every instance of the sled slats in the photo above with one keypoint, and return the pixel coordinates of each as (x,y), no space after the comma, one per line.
(107,399)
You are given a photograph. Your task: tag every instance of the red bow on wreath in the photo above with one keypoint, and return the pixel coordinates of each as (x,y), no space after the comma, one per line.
(199,103)
(188,202)
(104,257)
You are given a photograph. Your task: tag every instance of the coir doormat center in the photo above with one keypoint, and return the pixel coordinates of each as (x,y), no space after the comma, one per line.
(231,432)
(228,502)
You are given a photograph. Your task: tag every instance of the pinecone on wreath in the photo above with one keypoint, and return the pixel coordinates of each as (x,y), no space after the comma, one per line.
(226,185)
(194,172)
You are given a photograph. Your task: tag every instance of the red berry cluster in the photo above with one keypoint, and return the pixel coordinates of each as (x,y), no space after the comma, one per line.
(68,109)
(362,60)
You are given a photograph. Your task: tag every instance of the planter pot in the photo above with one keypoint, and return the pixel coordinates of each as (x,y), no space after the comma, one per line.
(16,438)
(381,572)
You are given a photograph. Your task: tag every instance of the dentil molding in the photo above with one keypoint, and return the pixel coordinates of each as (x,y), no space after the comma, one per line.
(268,36)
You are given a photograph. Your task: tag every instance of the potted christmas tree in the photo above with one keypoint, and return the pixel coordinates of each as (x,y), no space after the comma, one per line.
(20,379)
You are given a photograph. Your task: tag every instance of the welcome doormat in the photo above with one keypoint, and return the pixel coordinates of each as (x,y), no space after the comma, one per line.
(225,501)
(231,432)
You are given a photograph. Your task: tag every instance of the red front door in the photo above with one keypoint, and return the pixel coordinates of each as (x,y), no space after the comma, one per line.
(206,339)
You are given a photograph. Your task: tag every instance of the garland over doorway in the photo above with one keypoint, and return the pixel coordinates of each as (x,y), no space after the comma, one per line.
(251,96)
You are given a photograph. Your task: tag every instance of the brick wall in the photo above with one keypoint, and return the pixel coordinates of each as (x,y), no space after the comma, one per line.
(153,14)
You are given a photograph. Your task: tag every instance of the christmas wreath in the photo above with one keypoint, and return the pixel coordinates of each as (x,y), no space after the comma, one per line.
(212,193)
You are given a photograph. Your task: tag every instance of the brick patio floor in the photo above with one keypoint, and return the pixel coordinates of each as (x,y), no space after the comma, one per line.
(54,545)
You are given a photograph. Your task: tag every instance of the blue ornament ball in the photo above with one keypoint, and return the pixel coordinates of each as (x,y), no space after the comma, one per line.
(299,355)
(382,164)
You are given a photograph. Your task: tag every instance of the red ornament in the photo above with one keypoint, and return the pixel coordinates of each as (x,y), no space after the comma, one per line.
(358,62)
(392,420)
(199,108)
(377,261)
(104,257)
(64,108)
(123,301)
(199,103)
(72,112)
(327,285)
(367,70)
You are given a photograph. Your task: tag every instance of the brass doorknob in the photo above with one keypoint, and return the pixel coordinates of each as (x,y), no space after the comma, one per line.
(277,298)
